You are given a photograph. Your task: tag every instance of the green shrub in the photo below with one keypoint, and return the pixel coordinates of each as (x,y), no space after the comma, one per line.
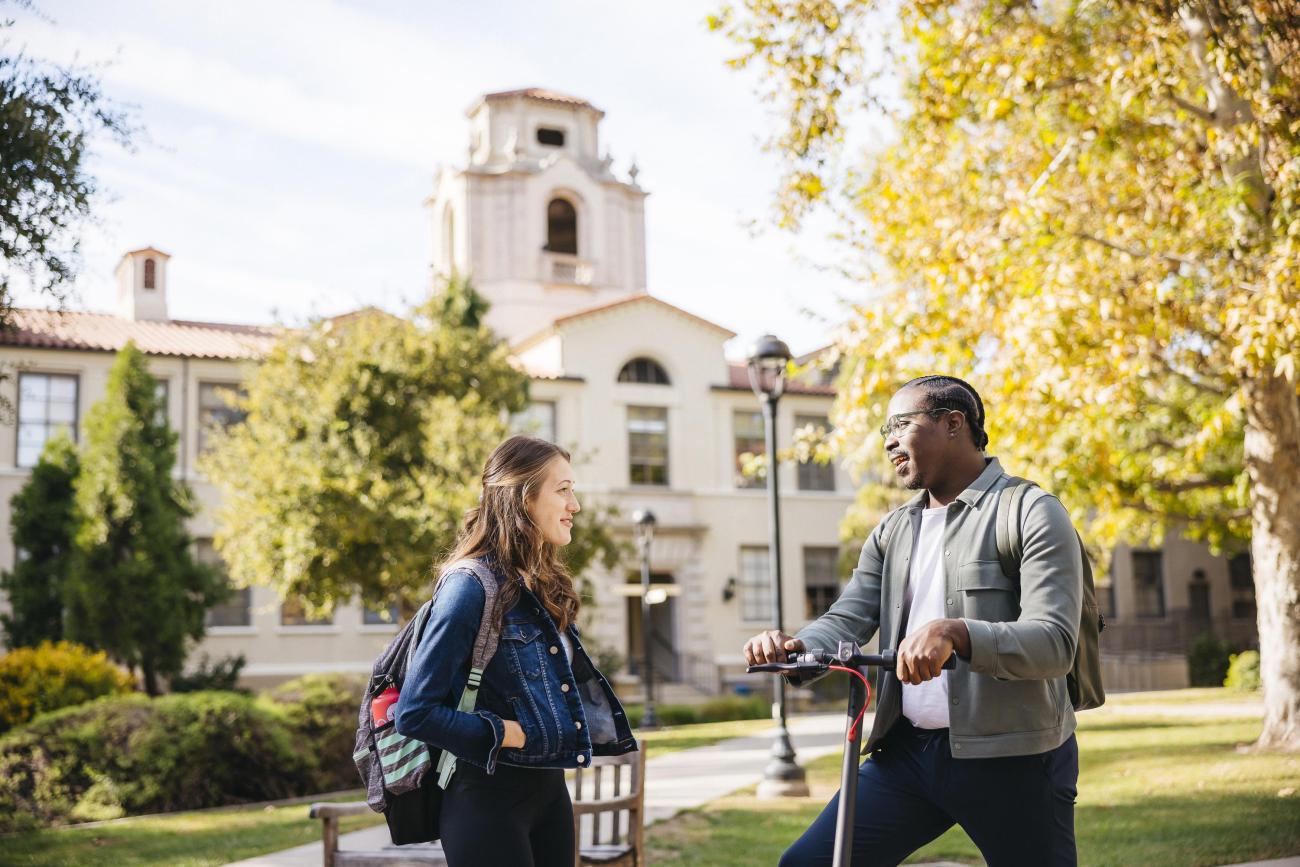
(35,680)
(1243,671)
(321,710)
(734,707)
(222,674)
(1207,660)
(715,710)
(132,754)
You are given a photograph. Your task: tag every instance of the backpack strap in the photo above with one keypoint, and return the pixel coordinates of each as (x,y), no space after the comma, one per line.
(485,647)
(891,522)
(1011,505)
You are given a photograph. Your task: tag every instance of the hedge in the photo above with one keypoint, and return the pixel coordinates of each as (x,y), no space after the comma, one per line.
(35,680)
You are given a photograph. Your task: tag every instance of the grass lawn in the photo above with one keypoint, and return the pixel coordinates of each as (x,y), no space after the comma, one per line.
(194,839)
(210,837)
(1153,790)
(670,740)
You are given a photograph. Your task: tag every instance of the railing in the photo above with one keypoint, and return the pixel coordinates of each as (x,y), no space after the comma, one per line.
(675,666)
(565,268)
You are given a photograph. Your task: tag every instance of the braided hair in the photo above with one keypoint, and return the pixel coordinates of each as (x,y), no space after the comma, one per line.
(958,394)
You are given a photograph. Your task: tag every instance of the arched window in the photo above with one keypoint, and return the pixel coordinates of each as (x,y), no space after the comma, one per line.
(150,274)
(644,370)
(561,227)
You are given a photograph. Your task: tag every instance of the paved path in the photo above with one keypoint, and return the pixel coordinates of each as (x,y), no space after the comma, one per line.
(674,782)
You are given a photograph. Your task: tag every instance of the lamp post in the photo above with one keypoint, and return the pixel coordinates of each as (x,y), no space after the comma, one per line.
(767,370)
(644,521)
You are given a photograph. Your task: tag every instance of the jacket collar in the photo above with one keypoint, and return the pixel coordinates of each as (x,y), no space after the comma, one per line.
(973,494)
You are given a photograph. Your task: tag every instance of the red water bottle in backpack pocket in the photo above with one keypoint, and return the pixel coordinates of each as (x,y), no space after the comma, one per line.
(383,708)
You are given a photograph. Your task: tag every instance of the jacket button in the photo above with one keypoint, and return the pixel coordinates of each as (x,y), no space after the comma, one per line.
(956,746)
(949,602)
(956,702)
(582,760)
(564,687)
(577,724)
(554,650)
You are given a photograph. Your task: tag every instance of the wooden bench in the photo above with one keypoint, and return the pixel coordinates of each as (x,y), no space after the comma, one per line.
(610,796)
(608,822)
(418,855)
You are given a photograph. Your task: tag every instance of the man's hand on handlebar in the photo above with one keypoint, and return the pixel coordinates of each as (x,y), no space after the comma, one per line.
(921,655)
(771,646)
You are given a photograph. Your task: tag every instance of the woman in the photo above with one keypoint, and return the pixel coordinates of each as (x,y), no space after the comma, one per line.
(542,706)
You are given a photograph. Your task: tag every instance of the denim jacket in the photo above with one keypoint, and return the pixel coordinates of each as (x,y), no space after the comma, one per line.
(567,710)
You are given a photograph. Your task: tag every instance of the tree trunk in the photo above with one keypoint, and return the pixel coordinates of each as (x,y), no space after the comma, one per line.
(1272,449)
(150,678)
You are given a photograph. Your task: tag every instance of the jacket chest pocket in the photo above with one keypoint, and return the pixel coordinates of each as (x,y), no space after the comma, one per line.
(987,594)
(523,644)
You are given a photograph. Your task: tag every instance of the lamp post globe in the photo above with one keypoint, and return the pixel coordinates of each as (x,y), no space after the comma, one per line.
(769,360)
(643,520)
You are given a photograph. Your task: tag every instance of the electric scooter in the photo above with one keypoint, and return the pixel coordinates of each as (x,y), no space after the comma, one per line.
(847,658)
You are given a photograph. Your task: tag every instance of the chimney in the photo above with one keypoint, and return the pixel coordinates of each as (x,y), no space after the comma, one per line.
(142,285)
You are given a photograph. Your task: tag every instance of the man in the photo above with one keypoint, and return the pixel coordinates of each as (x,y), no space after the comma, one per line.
(989,745)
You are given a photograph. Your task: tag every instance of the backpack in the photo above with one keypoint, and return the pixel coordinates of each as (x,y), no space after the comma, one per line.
(1084,677)
(404,777)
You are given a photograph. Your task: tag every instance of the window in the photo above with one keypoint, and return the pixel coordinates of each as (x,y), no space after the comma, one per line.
(550,137)
(47,405)
(561,227)
(216,411)
(821,585)
(150,274)
(294,613)
(755,584)
(814,476)
(647,445)
(536,420)
(747,436)
(646,371)
(1241,578)
(380,616)
(1198,596)
(237,609)
(162,391)
(1106,600)
(1148,583)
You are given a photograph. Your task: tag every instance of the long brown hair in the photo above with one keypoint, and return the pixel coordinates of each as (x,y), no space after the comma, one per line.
(501,530)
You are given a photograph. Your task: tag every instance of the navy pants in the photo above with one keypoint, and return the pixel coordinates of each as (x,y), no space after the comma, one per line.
(1019,810)
(516,817)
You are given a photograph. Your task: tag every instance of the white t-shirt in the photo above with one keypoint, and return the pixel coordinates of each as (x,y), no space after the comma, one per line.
(567,643)
(926,704)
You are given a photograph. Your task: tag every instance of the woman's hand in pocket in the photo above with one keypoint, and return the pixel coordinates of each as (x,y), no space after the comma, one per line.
(515,739)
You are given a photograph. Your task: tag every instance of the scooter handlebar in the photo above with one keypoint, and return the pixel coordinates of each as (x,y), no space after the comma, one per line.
(816,661)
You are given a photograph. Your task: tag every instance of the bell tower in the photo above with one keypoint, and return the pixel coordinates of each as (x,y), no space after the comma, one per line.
(537,217)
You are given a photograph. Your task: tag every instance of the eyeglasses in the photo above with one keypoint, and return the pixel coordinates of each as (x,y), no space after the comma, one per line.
(894,422)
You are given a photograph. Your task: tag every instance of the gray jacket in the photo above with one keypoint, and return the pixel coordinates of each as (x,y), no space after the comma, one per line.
(1010,699)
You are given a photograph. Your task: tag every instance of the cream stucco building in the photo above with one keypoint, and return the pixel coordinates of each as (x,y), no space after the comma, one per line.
(639,390)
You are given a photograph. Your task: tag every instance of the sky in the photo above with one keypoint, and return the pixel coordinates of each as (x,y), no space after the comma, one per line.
(288,147)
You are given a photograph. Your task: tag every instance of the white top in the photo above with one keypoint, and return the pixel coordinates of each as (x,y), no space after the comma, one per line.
(926,704)
(567,643)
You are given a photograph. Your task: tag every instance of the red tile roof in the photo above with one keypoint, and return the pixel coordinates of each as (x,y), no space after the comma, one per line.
(104,332)
(739,376)
(642,297)
(542,94)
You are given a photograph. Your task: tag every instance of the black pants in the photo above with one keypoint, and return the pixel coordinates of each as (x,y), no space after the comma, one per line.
(1019,810)
(516,817)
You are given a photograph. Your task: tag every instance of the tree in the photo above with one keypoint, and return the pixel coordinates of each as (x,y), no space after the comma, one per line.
(1090,210)
(363,444)
(50,117)
(43,525)
(135,589)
